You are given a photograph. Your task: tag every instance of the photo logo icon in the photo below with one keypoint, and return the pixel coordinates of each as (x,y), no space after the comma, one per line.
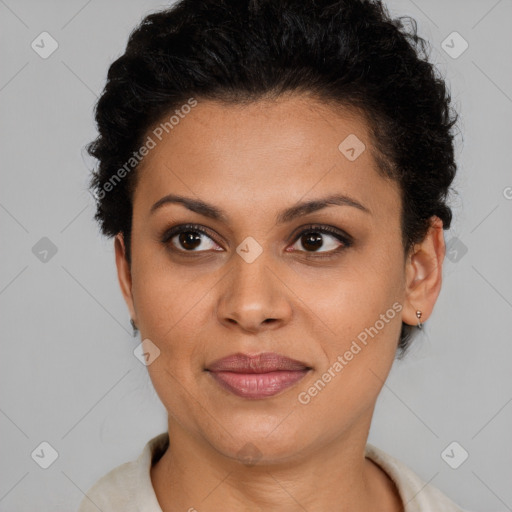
(249,454)
(455,250)
(454,45)
(352,147)
(44,45)
(44,455)
(454,455)
(44,250)
(249,249)
(146,352)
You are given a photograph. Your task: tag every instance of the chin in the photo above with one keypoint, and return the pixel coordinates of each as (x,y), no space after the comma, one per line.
(253,444)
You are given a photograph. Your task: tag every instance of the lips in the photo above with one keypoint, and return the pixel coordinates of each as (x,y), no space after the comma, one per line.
(259,376)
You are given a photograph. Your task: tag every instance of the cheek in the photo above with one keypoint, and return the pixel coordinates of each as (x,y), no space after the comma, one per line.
(172,314)
(353,296)
(174,309)
(362,309)
(162,293)
(359,349)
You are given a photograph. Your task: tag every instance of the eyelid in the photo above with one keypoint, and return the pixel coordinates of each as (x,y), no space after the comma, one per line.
(322,228)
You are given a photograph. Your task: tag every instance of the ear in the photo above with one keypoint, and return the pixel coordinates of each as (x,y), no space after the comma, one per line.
(124,274)
(424,269)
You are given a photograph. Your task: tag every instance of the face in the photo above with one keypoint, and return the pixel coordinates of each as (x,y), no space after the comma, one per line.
(255,271)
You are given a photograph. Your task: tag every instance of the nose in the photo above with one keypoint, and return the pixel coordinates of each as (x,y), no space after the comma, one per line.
(253,297)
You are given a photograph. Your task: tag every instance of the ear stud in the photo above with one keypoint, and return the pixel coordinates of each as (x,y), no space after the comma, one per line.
(418,315)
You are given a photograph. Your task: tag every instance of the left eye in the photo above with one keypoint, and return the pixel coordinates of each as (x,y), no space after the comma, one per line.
(314,239)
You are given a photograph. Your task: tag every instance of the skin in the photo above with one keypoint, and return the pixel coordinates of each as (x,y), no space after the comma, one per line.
(252,162)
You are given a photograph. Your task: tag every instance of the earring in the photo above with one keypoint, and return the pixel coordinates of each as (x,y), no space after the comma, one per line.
(134,327)
(418,315)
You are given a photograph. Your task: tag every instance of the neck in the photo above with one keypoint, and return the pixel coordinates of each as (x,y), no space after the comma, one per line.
(192,475)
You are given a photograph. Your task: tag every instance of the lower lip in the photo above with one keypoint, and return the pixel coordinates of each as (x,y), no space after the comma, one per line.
(258,385)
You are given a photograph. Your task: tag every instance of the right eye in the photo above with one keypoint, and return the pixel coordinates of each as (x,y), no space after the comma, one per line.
(188,238)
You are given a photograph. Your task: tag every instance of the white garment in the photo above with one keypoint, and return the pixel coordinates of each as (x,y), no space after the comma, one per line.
(128,487)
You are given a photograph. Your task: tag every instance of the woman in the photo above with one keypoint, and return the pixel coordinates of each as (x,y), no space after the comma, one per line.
(275,175)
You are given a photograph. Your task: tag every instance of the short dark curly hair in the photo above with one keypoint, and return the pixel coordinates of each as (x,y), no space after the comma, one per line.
(345,52)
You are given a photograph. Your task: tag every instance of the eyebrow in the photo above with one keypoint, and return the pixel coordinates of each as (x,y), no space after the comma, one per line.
(212,212)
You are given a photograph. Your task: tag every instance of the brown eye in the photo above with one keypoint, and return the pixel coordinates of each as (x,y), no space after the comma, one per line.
(312,241)
(323,240)
(189,238)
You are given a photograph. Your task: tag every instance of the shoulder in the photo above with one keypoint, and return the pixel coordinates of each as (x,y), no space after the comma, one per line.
(416,494)
(128,487)
(112,491)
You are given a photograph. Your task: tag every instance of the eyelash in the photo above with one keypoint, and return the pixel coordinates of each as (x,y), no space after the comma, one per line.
(344,238)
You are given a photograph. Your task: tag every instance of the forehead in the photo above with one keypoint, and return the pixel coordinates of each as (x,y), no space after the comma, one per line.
(275,150)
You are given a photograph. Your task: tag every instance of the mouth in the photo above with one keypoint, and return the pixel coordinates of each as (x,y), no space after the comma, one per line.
(257,377)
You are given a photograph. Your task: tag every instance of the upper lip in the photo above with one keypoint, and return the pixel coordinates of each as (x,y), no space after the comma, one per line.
(261,363)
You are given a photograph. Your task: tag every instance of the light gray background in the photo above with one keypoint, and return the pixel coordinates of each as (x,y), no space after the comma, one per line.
(69,376)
